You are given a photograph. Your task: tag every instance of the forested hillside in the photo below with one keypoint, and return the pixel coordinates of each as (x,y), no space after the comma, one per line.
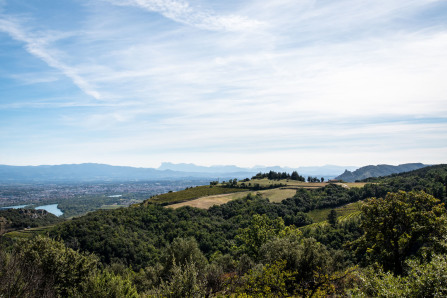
(378,171)
(14,219)
(394,245)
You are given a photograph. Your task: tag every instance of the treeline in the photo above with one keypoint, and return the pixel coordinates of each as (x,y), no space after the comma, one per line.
(245,184)
(432,180)
(272,175)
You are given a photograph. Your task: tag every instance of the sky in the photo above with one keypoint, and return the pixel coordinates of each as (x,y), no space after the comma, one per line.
(285,82)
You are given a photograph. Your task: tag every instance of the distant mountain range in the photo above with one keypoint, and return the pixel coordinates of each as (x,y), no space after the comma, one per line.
(326,171)
(378,171)
(92,172)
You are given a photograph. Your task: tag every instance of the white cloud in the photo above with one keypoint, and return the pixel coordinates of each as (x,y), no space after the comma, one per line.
(38,46)
(318,84)
(182,12)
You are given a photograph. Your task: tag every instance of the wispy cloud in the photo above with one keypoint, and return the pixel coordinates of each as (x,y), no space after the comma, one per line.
(182,12)
(37,45)
(288,82)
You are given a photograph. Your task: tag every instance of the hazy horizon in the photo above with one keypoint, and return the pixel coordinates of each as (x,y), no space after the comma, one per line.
(288,83)
(219,165)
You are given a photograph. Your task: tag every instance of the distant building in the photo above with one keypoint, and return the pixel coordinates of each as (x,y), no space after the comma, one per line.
(334,181)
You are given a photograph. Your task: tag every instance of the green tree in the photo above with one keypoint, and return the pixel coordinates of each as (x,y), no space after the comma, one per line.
(399,225)
(185,281)
(421,280)
(43,267)
(312,268)
(260,230)
(266,281)
(107,284)
(332,218)
(183,251)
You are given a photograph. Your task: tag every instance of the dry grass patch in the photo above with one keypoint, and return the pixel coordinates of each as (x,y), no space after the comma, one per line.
(274,195)
(277,195)
(209,201)
(354,184)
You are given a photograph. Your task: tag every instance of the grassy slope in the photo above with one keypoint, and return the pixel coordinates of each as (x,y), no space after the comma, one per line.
(274,195)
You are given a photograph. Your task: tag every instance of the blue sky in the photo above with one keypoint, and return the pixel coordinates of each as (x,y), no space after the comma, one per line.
(286,82)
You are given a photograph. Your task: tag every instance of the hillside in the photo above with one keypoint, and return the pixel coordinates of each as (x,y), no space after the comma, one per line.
(16,219)
(378,171)
(252,246)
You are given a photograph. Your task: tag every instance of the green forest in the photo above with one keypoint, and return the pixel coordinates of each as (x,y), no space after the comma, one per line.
(394,245)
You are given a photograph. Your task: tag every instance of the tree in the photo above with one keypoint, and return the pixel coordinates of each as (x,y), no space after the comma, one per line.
(42,267)
(260,230)
(311,270)
(422,280)
(181,252)
(332,218)
(268,281)
(107,284)
(399,225)
(296,176)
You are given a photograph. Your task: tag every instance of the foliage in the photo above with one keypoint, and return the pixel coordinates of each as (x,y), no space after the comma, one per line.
(312,267)
(247,247)
(182,252)
(260,230)
(331,195)
(107,284)
(420,280)
(267,281)
(332,218)
(431,180)
(43,266)
(184,281)
(272,175)
(398,225)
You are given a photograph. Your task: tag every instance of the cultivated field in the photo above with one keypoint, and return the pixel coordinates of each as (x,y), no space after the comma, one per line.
(192,193)
(274,195)
(207,202)
(343,211)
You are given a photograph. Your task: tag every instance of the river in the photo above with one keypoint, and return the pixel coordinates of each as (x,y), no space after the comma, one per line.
(52,209)
(49,208)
